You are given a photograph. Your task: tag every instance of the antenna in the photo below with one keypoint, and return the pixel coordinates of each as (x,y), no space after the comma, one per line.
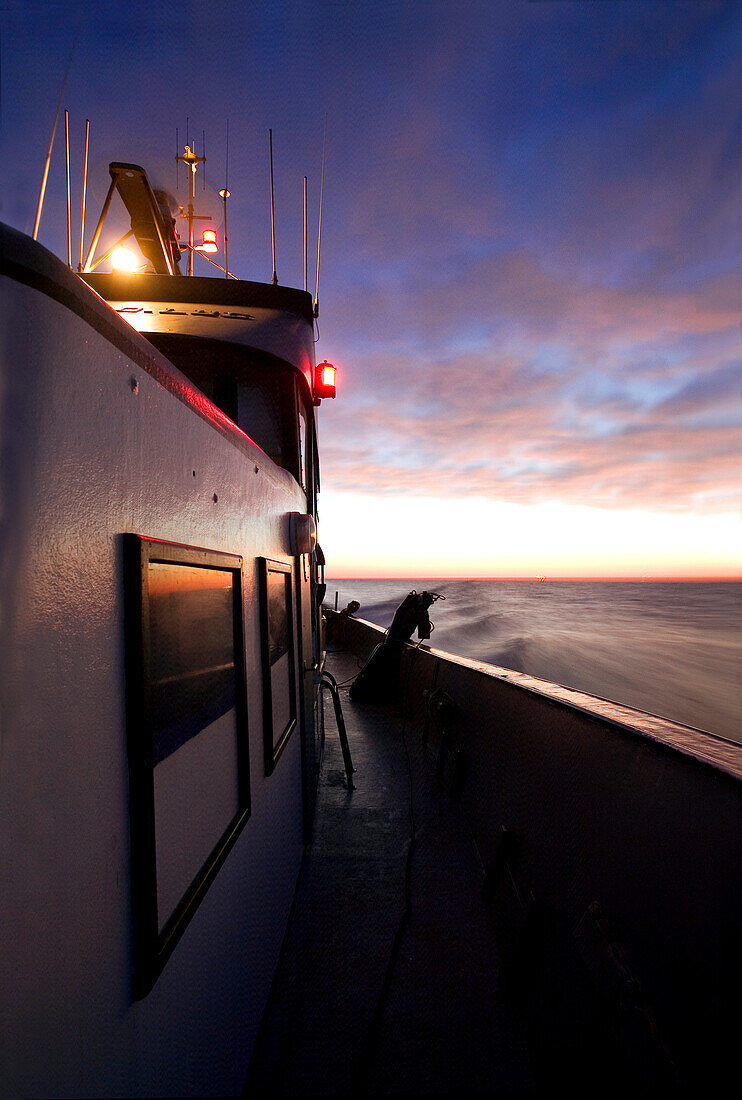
(226,161)
(274,280)
(319,227)
(67,169)
(45,177)
(203,150)
(305,233)
(224,195)
(84,191)
(177,160)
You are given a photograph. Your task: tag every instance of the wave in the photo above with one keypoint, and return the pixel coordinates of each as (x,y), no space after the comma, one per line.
(672,649)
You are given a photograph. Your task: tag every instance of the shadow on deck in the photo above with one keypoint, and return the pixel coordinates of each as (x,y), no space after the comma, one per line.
(390,980)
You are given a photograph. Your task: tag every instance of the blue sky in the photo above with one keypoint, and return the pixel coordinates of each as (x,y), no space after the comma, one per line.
(531,259)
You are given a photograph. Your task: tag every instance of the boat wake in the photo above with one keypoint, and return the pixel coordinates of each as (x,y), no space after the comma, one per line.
(671,649)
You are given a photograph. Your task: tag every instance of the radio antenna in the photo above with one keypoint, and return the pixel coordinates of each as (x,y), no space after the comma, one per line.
(45,177)
(84,190)
(177,162)
(319,227)
(203,147)
(224,194)
(274,280)
(67,174)
(305,234)
(226,161)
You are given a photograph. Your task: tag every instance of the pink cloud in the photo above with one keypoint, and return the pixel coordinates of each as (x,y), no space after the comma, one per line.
(501,427)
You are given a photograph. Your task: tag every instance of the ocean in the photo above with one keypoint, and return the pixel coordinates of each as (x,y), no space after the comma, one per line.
(672,648)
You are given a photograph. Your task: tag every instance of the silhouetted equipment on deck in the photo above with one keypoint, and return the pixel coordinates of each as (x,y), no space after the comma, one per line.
(335,630)
(378,680)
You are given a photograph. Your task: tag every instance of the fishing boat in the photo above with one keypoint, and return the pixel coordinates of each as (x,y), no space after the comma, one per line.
(520,887)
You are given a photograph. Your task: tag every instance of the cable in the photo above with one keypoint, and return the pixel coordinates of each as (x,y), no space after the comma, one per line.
(344,683)
(359,666)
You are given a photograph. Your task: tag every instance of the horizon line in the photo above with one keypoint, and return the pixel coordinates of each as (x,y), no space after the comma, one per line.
(638,578)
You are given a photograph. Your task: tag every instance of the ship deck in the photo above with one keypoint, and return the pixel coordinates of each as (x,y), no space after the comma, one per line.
(390,981)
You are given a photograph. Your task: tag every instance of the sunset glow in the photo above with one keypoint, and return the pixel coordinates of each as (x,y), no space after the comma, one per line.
(475,537)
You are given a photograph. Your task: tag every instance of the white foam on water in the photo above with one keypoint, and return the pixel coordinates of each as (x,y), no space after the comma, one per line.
(670,648)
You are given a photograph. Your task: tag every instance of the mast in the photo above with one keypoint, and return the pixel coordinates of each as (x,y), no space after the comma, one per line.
(191,160)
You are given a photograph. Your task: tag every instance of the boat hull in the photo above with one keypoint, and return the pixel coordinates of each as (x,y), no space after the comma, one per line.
(102,438)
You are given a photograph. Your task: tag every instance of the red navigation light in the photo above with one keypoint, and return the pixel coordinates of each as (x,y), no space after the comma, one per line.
(209,244)
(324,380)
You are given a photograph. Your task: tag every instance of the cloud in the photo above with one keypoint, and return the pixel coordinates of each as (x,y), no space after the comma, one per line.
(718,388)
(530,269)
(610,397)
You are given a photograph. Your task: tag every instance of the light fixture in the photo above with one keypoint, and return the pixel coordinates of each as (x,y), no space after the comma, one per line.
(302,533)
(324,380)
(209,241)
(123,259)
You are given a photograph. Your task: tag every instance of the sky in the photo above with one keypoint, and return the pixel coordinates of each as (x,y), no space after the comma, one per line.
(531,250)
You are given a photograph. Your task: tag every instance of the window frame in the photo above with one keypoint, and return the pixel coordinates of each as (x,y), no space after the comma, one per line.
(273,744)
(153,944)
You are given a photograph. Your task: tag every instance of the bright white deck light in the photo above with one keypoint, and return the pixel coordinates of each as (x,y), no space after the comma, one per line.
(123,259)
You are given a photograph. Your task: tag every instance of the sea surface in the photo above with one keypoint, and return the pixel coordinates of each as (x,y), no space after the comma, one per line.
(672,648)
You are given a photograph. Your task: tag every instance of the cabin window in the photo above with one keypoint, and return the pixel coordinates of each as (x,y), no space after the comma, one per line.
(278,653)
(261,415)
(188,746)
(256,390)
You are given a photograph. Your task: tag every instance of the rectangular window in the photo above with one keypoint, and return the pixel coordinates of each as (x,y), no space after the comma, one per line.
(279,683)
(188,744)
